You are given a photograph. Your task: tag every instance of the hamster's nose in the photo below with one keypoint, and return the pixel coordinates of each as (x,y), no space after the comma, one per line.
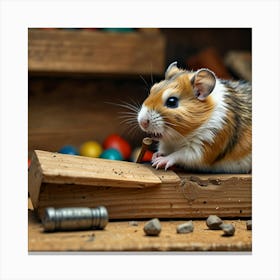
(144,123)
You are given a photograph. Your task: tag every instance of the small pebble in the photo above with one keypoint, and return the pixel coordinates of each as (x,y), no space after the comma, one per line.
(213,222)
(249,225)
(152,227)
(228,229)
(185,228)
(133,223)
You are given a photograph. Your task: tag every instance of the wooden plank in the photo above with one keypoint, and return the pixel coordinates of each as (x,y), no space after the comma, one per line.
(231,198)
(131,190)
(95,52)
(67,169)
(120,236)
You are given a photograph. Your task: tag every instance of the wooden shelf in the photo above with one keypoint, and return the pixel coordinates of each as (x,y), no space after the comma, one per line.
(95,52)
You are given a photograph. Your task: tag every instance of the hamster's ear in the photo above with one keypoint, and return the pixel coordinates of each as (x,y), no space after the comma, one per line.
(171,70)
(203,83)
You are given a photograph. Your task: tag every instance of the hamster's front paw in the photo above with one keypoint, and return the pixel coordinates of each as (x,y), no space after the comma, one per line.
(156,155)
(163,162)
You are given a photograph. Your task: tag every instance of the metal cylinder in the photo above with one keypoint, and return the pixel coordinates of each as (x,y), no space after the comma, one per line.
(75,218)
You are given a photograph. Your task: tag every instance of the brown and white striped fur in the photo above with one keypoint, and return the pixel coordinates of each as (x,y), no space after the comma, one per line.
(201,122)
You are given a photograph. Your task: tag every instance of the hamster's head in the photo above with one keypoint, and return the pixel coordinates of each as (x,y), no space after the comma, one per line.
(179,104)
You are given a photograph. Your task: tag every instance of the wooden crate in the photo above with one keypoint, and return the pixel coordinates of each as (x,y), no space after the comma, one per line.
(134,191)
(95,52)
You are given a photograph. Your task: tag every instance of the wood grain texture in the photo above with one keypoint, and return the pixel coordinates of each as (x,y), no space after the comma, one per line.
(95,52)
(232,198)
(66,184)
(67,169)
(120,236)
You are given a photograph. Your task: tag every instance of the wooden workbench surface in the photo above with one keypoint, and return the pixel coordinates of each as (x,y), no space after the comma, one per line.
(121,236)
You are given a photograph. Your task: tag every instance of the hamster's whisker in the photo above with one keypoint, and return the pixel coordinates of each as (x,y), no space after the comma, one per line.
(134,103)
(156,120)
(170,124)
(127,114)
(167,122)
(128,121)
(133,131)
(169,136)
(129,124)
(173,133)
(131,107)
(152,78)
(128,118)
(145,82)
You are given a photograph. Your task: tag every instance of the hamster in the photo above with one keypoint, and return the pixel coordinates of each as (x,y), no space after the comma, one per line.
(201,122)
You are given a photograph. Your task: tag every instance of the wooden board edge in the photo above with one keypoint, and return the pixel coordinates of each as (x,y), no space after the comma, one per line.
(34,180)
(167,178)
(115,168)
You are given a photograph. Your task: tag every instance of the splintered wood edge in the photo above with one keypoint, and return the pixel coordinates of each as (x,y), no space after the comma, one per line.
(34,180)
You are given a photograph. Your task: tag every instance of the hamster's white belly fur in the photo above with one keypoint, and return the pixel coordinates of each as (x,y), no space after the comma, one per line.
(190,156)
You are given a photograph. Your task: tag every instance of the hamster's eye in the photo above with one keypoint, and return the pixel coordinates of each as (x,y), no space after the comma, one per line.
(172,102)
